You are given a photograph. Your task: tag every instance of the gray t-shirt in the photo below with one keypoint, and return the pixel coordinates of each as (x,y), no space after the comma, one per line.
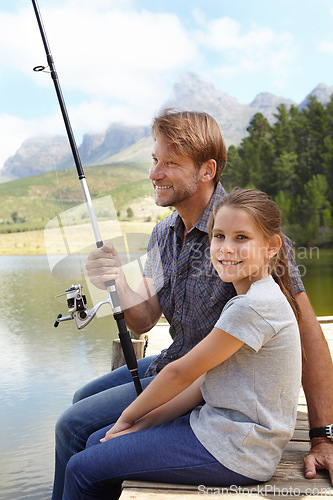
(251,398)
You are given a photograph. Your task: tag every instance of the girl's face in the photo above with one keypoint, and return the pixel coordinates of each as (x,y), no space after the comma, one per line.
(239,250)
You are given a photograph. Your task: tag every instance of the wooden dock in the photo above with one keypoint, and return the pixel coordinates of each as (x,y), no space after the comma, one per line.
(288,480)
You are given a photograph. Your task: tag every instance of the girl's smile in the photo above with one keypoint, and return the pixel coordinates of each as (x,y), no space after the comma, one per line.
(230,262)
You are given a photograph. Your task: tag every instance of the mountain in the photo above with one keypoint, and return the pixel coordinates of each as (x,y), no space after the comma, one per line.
(39,155)
(121,142)
(35,155)
(192,92)
(322,93)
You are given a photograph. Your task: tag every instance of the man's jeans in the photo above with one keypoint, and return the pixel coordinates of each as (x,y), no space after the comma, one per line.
(96,405)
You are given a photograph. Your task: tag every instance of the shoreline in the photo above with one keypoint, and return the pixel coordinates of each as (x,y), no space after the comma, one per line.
(33,242)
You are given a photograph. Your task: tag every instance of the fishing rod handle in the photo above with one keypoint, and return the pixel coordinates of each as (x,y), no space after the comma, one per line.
(127,347)
(124,335)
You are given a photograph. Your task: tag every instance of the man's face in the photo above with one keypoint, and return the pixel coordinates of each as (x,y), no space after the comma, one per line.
(175,178)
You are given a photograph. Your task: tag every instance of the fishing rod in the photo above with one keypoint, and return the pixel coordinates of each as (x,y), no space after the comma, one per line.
(75,299)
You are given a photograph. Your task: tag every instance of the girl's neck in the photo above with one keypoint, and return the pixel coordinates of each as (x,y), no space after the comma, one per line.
(243,287)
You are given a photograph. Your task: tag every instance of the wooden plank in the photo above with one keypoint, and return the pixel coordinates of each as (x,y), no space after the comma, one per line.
(215,493)
(325,319)
(285,489)
(301,435)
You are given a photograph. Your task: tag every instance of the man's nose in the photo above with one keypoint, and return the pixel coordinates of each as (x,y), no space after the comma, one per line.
(156,171)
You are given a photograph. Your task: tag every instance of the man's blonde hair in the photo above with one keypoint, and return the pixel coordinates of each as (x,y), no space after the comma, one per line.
(193,134)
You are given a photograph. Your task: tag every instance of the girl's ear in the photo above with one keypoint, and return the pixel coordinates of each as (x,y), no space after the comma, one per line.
(275,244)
(208,170)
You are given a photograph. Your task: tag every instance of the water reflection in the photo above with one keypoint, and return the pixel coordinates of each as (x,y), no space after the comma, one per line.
(317,275)
(40,369)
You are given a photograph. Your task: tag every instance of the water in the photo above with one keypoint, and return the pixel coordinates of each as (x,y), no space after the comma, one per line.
(316,267)
(42,366)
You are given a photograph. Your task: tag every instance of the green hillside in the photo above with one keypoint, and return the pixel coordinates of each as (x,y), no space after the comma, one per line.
(29,203)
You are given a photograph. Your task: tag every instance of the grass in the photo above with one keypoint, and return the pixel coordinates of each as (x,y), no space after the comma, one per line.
(28,204)
(33,242)
(25,243)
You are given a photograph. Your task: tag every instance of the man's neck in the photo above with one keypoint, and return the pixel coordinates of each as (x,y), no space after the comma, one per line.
(192,209)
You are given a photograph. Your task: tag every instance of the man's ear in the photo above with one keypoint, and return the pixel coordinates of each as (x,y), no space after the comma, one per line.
(275,244)
(208,170)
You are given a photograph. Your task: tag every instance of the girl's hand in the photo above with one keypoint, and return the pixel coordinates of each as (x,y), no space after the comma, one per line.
(122,426)
(119,428)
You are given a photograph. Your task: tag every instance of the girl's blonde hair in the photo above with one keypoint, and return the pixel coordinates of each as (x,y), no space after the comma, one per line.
(267,216)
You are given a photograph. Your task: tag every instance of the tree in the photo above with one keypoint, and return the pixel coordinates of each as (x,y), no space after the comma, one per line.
(257,153)
(284,174)
(284,203)
(130,213)
(315,202)
(284,138)
(233,174)
(293,162)
(327,165)
(316,130)
(14,216)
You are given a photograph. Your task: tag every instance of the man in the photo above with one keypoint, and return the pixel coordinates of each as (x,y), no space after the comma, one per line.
(189,156)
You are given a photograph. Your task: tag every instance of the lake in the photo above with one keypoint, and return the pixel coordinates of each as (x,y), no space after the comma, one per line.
(316,268)
(41,366)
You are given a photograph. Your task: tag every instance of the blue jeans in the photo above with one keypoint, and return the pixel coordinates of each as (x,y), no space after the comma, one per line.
(96,405)
(168,453)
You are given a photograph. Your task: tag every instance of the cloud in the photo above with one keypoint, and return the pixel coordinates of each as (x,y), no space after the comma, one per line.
(12,131)
(15,130)
(246,52)
(117,61)
(96,116)
(326,46)
(99,51)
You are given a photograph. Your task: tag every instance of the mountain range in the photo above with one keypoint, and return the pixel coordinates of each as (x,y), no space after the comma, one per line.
(123,143)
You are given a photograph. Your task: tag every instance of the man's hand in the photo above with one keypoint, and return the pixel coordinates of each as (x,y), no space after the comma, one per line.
(320,457)
(103,265)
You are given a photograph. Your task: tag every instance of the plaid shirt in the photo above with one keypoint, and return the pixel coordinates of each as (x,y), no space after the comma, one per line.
(190,292)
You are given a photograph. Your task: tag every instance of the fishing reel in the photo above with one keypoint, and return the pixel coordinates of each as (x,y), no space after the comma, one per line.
(77,307)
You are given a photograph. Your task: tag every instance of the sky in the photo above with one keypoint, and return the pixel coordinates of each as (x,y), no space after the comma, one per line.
(117,60)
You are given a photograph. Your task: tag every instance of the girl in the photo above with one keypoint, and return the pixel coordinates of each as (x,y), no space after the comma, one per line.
(242,380)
